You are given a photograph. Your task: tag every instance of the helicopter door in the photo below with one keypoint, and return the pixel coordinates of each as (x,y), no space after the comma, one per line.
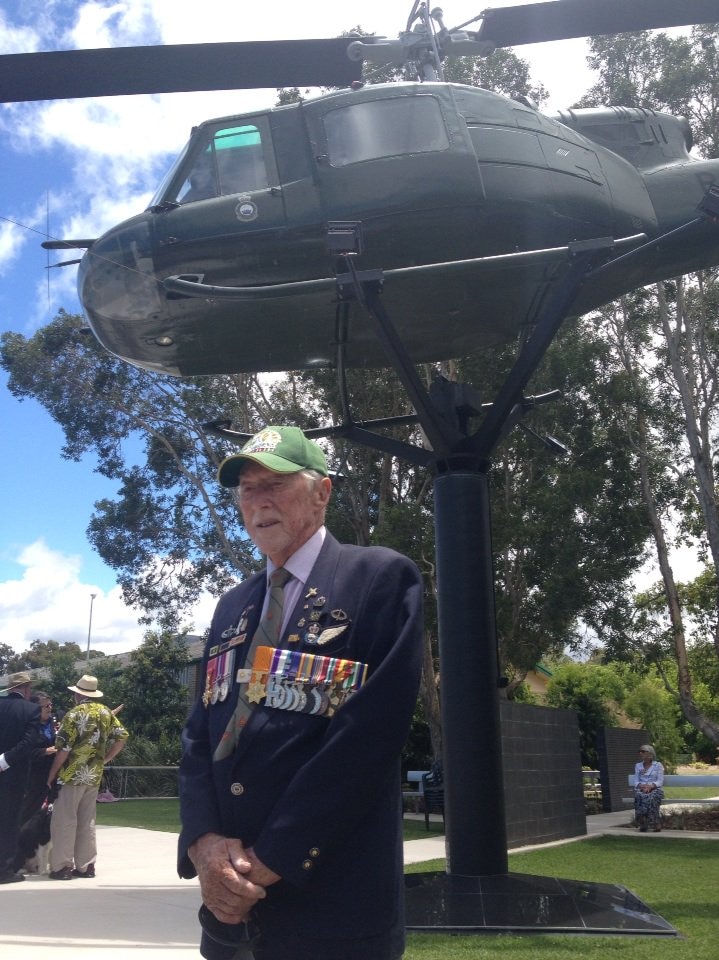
(226,205)
(402,163)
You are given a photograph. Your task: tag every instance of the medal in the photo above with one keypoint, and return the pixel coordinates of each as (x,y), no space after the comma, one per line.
(209,695)
(255,692)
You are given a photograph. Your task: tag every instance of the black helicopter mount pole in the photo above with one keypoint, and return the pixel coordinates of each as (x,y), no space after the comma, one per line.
(477,893)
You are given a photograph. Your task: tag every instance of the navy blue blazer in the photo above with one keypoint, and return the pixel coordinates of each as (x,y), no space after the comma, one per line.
(19,729)
(318,798)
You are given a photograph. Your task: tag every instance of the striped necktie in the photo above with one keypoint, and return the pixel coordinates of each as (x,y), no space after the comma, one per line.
(267,634)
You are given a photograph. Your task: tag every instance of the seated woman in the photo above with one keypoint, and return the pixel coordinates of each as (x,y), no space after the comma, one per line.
(648,792)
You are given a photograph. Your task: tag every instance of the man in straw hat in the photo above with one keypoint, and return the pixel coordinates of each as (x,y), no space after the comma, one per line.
(289,782)
(19,729)
(90,736)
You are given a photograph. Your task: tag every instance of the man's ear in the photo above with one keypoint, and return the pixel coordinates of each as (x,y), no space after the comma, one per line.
(325,489)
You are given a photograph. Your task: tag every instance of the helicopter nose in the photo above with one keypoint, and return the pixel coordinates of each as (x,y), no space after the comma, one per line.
(118,288)
(119,262)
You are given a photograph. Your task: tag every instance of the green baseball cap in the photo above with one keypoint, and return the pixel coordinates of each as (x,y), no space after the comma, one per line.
(280,449)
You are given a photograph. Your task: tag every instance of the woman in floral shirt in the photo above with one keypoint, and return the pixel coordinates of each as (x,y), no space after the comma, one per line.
(90,736)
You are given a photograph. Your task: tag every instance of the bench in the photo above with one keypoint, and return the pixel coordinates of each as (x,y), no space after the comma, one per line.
(430,792)
(682,780)
(415,776)
(414,796)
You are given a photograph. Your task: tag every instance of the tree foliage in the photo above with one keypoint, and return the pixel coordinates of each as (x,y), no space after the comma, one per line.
(594,692)
(7,655)
(658,72)
(554,517)
(152,688)
(666,341)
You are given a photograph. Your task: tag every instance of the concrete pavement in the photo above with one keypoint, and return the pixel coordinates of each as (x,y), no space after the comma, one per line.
(138,902)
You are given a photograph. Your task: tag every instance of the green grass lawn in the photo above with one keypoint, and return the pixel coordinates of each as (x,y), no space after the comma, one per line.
(678,878)
(690,793)
(165,815)
(416,830)
(148,814)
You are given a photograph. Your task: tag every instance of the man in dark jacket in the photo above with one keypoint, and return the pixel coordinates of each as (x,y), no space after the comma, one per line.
(19,730)
(289,782)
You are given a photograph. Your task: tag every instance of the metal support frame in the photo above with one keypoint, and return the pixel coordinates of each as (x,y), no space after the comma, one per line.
(477,893)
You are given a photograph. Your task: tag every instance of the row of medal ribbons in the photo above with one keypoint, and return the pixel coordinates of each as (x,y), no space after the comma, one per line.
(303,682)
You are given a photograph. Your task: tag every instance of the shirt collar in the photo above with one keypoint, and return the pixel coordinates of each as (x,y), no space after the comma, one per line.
(301,562)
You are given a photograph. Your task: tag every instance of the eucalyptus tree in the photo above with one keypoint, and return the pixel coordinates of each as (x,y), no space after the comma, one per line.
(666,339)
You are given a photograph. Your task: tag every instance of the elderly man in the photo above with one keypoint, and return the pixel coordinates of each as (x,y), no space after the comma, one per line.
(289,781)
(90,736)
(19,730)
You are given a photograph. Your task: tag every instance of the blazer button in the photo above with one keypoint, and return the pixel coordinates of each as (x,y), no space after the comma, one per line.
(307,864)
(315,852)
(237,789)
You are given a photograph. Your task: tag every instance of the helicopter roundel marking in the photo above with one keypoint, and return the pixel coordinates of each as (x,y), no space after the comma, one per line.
(246,210)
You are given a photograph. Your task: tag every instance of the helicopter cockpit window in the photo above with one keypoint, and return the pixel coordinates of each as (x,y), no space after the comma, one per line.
(384,128)
(232,162)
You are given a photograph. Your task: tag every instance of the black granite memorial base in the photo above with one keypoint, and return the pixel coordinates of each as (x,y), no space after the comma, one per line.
(521,903)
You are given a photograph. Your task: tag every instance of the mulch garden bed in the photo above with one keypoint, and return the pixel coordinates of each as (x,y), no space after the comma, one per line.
(706,819)
(700,819)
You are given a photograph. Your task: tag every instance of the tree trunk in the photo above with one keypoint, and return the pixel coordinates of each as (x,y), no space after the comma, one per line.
(430,697)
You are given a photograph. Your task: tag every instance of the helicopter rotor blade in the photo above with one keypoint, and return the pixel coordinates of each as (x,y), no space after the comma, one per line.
(116,71)
(567,19)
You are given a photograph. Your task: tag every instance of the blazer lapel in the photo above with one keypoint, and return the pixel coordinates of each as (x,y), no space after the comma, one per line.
(321,578)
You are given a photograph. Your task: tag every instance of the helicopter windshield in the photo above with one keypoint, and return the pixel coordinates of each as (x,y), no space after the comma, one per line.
(232,162)
(169,177)
(389,127)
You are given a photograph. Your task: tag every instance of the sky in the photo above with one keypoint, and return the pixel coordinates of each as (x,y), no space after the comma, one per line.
(76,168)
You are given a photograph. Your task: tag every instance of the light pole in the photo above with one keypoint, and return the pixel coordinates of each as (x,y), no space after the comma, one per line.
(89,628)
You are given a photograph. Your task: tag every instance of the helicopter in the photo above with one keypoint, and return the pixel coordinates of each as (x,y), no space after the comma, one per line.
(464,204)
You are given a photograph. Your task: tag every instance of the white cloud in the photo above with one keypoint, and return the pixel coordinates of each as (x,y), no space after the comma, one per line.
(120,24)
(12,240)
(684,561)
(14,39)
(50,601)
